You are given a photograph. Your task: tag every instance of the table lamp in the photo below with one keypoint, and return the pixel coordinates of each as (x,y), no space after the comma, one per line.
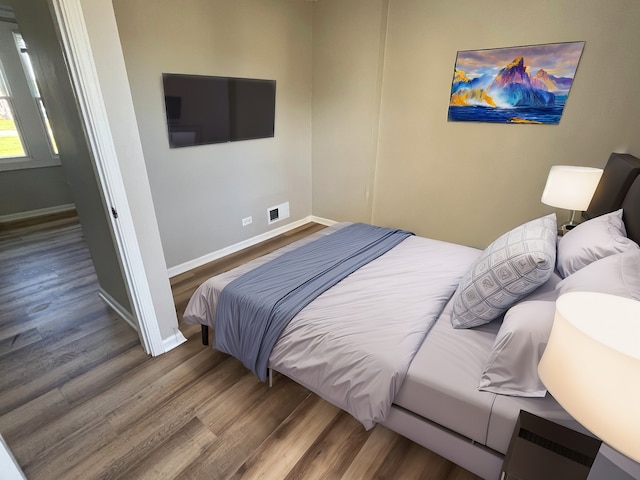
(591,366)
(570,188)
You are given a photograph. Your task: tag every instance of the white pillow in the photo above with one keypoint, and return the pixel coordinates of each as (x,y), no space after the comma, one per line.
(512,366)
(616,275)
(511,267)
(592,240)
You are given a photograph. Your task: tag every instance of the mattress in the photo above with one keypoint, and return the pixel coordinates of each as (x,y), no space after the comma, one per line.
(442,381)
(448,394)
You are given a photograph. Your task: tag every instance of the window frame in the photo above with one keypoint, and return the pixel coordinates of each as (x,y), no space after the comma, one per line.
(27,65)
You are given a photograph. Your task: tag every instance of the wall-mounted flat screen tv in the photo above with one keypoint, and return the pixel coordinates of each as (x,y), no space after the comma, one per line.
(204,109)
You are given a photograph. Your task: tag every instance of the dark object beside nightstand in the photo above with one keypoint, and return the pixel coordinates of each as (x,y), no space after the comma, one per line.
(541,449)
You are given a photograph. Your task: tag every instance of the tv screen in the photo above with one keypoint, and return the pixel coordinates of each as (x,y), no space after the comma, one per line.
(202,109)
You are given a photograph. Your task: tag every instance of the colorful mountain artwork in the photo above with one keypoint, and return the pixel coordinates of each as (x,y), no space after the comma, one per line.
(498,85)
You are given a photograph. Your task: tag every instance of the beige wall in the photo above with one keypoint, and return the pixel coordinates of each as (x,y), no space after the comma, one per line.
(361,121)
(202,193)
(469,182)
(348,56)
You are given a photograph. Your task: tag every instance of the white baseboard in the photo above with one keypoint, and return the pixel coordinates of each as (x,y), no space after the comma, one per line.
(168,343)
(119,309)
(173,341)
(210,257)
(322,221)
(12,217)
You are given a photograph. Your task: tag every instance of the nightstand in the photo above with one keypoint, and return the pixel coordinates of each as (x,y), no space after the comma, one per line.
(541,450)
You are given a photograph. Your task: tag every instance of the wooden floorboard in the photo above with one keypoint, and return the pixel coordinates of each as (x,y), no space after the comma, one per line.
(80,399)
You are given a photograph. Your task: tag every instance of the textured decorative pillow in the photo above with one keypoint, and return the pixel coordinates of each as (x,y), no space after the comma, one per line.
(616,275)
(512,366)
(511,267)
(592,240)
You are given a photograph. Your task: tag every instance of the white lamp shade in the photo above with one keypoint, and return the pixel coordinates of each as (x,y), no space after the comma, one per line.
(571,187)
(591,366)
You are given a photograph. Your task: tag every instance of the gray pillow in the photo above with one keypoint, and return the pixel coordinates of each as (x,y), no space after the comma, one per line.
(511,267)
(512,366)
(592,240)
(616,275)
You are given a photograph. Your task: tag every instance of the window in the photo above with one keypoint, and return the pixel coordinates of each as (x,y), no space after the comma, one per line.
(26,139)
(33,86)
(11,145)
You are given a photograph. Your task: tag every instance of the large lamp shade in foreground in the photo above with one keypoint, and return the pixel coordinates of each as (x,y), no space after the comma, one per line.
(591,366)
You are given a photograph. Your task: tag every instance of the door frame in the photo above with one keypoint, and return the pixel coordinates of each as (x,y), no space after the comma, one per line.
(84,78)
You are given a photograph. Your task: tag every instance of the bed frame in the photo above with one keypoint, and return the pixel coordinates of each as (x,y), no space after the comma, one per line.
(618,188)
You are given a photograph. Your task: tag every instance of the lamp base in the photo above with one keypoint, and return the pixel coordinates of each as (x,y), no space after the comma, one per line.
(565,227)
(571,224)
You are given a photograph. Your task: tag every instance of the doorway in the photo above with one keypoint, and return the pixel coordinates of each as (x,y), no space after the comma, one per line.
(63,52)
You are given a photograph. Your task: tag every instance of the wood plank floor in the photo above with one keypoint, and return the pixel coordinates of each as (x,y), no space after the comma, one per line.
(79,398)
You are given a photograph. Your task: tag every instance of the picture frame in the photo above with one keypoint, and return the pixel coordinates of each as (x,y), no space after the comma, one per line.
(521,85)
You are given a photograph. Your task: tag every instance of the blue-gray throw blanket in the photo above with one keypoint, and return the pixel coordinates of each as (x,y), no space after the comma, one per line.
(254,309)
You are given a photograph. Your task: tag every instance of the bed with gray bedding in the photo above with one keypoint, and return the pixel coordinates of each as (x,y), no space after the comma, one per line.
(380,343)
(354,343)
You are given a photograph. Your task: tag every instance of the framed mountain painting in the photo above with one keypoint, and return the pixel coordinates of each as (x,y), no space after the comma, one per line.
(514,85)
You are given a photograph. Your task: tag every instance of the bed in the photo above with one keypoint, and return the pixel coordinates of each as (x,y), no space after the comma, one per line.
(380,343)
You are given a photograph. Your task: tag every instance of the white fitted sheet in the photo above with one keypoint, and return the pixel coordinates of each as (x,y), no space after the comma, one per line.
(442,386)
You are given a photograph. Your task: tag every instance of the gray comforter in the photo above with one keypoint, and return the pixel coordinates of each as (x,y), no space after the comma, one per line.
(254,309)
(354,343)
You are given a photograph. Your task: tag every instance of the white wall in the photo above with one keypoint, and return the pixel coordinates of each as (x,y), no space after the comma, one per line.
(469,182)
(201,193)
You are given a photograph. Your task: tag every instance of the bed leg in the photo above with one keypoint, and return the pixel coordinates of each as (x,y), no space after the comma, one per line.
(270,378)
(205,334)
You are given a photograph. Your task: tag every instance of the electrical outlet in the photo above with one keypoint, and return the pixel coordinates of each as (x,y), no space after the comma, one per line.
(247,221)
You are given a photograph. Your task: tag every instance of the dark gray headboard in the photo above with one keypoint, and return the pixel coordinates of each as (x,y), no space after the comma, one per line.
(619,187)
(631,211)
(619,173)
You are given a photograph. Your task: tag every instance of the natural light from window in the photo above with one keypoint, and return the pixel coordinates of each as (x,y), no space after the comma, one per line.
(33,86)
(11,145)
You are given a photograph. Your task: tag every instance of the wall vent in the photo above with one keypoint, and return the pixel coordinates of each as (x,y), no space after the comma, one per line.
(277,213)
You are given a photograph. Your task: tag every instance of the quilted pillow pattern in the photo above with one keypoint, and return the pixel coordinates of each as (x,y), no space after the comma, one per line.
(514,265)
